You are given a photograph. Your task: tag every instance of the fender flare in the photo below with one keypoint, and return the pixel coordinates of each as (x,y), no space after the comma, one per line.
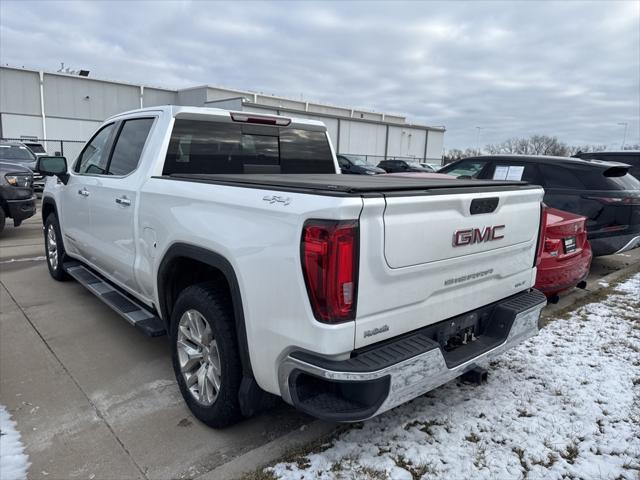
(48,201)
(219,262)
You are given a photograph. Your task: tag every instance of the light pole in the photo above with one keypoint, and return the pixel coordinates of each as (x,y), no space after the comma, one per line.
(624,137)
(478,140)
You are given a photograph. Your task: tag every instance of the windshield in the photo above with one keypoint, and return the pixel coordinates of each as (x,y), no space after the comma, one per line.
(16,153)
(356,160)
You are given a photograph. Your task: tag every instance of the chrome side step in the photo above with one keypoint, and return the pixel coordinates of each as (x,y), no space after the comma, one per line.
(129,309)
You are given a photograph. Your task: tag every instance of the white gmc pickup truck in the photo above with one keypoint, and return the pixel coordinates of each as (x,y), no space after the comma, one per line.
(345,295)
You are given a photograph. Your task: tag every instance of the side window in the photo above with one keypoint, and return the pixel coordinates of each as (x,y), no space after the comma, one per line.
(467,168)
(526,172)
(343,163)
(129,145)
(94,157)
(556,176)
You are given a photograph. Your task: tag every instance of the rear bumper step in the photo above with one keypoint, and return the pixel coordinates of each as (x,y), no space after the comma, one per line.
(130,310)
(394,372)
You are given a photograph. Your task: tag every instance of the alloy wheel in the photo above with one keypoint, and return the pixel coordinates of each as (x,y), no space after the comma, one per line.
(52,247)
(199,357)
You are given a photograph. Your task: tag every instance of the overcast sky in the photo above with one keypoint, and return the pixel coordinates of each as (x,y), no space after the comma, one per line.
(570,69)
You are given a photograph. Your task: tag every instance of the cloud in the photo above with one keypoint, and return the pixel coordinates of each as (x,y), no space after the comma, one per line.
(570,69)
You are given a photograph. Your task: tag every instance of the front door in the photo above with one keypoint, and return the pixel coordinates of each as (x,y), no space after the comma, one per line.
(76,195)
(114,200)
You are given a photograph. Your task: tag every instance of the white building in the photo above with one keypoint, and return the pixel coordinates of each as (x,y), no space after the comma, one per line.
(60,106)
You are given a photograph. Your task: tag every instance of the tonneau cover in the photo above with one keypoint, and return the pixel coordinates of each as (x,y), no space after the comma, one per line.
(344,184)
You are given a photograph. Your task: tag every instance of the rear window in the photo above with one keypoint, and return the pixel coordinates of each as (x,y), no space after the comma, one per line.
(556,176)
(200,147)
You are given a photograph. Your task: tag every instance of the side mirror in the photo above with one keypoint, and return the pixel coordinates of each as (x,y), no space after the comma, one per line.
(53,166)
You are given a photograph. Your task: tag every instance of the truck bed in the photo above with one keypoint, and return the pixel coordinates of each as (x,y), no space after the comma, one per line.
(352,185)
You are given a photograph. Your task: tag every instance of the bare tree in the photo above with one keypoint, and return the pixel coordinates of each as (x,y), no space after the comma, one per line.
(456,154)
(534,145)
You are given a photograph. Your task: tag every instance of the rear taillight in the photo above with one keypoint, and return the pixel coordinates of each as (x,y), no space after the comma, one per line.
(543,227)
(616,200)
(329,253)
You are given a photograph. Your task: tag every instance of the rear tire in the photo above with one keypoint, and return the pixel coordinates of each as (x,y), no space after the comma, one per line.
(205,354)
(54,248)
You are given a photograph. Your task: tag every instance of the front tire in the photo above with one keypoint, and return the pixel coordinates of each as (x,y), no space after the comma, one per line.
(205,354)
(2,219)
(54,248)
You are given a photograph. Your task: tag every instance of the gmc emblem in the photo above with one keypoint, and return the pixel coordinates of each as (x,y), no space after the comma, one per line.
(469,236)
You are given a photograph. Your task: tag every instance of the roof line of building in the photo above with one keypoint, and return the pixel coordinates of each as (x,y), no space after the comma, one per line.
(249,93)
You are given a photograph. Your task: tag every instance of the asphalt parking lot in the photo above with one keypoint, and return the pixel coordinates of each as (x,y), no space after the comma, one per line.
(94,398)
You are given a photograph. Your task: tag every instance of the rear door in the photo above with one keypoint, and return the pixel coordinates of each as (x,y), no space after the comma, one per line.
(113,202)
(608,196)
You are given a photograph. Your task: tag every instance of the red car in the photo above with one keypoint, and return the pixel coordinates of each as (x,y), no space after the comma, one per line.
(566,253)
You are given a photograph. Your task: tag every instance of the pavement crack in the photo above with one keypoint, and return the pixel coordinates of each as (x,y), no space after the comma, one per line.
(73,379)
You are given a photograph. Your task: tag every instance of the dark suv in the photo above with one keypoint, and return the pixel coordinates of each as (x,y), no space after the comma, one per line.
(604,192)
(399,166)
(19,154)
(16,194)
(630,157)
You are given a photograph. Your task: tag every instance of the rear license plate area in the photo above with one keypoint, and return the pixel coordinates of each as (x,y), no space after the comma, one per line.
(569,244)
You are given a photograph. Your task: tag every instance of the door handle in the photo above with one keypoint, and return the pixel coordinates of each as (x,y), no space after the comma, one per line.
(84,192)
(124,201)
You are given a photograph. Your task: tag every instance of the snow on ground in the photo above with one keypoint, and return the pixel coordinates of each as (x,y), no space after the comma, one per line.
(564,404)
(13,461)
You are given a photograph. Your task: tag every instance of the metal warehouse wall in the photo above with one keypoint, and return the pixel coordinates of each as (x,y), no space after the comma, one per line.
(67,107)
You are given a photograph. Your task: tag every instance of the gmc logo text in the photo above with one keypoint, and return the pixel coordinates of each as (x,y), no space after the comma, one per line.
(469,236)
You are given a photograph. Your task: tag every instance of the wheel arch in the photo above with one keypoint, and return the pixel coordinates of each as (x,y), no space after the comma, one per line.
(48,207)
(181,252)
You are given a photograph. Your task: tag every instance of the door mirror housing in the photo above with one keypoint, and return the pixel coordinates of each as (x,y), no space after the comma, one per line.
(53,166)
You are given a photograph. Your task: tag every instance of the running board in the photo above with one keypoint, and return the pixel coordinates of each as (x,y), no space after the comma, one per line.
(130,310)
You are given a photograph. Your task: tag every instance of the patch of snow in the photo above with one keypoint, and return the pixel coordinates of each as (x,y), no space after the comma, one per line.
(603,284)
(14,463)
(564,404)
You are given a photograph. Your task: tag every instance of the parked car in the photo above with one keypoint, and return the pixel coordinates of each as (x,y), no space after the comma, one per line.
(432,166)
(354,164)
(397,166)
(630,157)
(604,192)
(17,200)
(37,148)
(566,255)
(346,295)
(19,154)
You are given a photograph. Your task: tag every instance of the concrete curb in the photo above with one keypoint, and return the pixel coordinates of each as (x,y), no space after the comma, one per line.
(262,456)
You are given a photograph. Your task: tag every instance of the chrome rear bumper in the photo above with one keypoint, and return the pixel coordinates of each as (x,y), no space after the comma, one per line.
(372,383)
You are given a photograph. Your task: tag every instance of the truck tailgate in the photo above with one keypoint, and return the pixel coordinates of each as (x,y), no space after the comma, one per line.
(444,255)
